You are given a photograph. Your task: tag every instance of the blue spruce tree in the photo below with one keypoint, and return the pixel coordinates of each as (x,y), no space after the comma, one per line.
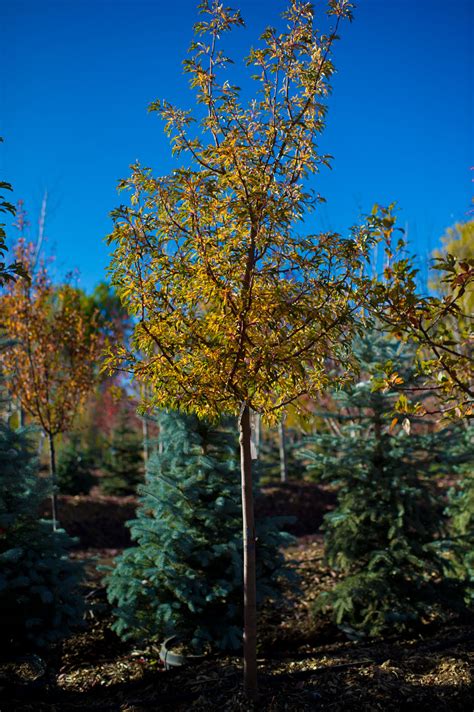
(387,534)
(184,576)
(123,465)
(39,598)
(461,511)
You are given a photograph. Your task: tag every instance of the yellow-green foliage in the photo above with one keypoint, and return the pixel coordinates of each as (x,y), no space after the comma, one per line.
(233,302)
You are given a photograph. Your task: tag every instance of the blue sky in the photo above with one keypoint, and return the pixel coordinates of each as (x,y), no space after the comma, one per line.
(77,77)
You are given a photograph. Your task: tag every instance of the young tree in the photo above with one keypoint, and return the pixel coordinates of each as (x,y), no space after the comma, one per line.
(75,468)
(184,576)
(461,510)
(123,463)
(39,599)
(50,364)
(386,534)
(235,309)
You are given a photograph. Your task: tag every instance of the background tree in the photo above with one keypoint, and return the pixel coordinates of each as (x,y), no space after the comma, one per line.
(110,396)
(461,511)
(50,365)
(39,599)
(123,462)
(75,471)
(386,536)
(458,242)
(441,325)
(237,310)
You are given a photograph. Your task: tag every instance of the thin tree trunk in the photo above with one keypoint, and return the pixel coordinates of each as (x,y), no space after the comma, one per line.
(146,452)
(52,472)
(282,449)
(255,423)
(21,416)
(250,584)
(145,439)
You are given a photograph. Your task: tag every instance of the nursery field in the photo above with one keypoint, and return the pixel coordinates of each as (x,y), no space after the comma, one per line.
(236,451)
(303,665)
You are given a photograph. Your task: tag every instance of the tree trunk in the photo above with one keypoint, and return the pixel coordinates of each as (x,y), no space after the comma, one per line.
(52,473)
(250,584)
(255,425)
(21,416)
(282,449)
(144,418)
(145,440)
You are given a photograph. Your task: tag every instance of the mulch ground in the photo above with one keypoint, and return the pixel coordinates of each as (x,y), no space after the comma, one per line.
(303,665)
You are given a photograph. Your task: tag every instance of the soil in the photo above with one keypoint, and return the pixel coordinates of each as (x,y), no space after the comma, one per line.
(303,665)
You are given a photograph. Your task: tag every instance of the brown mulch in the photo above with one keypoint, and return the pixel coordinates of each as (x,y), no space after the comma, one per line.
(303,665)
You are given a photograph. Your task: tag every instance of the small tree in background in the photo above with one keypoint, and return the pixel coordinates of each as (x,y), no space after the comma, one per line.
(50,365)
(75,472)
(123,463)
(461,510)
(39,599)
(185,574)
(386,535)
(279,459)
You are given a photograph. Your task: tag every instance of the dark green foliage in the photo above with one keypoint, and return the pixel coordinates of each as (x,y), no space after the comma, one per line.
(75,468)
(185,574)
(123,466)
(39,602)
(386,535)
(461,510)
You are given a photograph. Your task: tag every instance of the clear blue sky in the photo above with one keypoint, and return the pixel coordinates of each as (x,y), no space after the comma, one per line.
(77,77)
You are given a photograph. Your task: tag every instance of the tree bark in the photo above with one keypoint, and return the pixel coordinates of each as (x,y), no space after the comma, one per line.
(282,449)
(249,543)
(52,473)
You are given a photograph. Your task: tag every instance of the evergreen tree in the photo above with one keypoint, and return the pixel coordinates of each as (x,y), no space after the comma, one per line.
(39,601)
(461,510)
(185,574)
(386,535)
(75,467)
(124,464)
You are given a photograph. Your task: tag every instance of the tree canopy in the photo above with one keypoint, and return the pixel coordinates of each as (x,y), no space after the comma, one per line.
(233,301)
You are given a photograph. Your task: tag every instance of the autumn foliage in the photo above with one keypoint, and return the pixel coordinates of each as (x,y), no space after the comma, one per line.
(51,362)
